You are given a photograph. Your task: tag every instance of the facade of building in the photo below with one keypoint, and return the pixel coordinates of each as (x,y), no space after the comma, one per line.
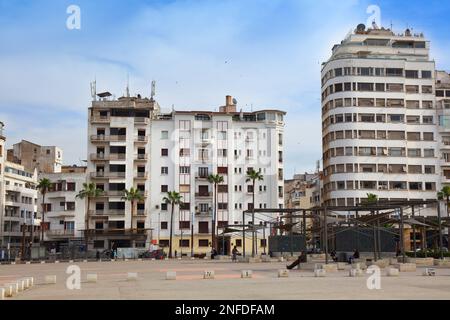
(443,113)
(65,212)
(45,159)
(132,144)
(20,215)
(380,132)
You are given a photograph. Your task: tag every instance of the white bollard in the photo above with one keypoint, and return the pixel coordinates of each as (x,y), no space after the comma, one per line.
(392,272)
(91,277)
(28,262)
(140,259)
(21,285)
(85,261)
(126,260)
(282,273)
(31,281)
(132,276)
(245,274)
(171,275)
(14,288)
(208,274)
(280,259)
(9,290)
(2,293)
(56,261)
(70,261)
(42,262)
(13,263)
(355,273)
(27,283)
(50,279)
(319,273)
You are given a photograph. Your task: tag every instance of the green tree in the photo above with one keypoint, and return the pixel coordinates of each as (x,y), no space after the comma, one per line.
(173,198)
(88,192)
(134,196)
(215,179)
(442,195)
(253,176)
(43,186)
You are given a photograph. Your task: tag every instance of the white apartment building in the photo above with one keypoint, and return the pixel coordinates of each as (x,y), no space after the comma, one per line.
(65,213)
(443,112)
(132,144)
(187,146)
(19,208)
(379,119)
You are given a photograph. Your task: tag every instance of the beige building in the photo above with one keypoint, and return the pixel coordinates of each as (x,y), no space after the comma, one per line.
(46,159)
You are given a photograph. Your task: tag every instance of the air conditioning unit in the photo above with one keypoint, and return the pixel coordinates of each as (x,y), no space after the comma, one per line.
(157,206)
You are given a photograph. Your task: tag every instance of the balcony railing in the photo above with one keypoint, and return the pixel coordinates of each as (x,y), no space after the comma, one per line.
(141,139)
(203,194)
(60,233)
(102,175)
(141,120)
(105,138)
(141,175)
(124,232)
(140,157)
(107,212)
(100,119)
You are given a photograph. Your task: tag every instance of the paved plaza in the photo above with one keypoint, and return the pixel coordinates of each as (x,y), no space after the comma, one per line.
(152,284)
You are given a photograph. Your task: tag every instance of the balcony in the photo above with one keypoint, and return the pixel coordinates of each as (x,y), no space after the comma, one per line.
(106,175)
(201,177)
(141,213)
(123,232)
(140,157)
(100,119)
(105,138)
(203,194)
(60,233)
(141,175)
(105,157)
(105,213)
(141,139)
(140,120)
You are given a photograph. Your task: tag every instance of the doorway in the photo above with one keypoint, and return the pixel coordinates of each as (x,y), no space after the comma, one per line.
(220,242)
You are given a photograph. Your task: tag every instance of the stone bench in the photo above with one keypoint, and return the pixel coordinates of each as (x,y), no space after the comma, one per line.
(359,265)
(50,279)
(393,272)
(355,273)
(333,267)
(382,263)
(441,263)
(245,274)
(210,274)
(421,261)
(406,267)
(92,278)
(319,273)
(132,276)
(282,273)
(171,275)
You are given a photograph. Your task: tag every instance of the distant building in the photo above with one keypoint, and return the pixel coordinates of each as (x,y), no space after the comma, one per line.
(443,112)
(46,159)
(65,213)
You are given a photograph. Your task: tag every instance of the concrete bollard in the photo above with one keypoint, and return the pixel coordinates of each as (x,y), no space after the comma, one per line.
(319,273)
(208,275)
(42,262)
(50,279)
(355,273)
(28,262)
(2,293)
(126,260)
(406,267)
(20,285)
(393,272)
(280,259)
(245,274)
(9,290)
(70,261)
(14,288)
(341,266)
(429,272)
(140,259)
(153,259)
(91,278)
(56,261)
(85,261)
(26,283)
(283,273)
(13,263)
(132,276)
(171,275)
(31,281)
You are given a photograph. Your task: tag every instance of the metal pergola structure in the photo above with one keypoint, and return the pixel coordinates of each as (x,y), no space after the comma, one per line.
(365,214)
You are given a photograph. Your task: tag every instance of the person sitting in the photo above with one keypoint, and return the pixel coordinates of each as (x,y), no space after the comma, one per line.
(213,253)
(334,256)
(354,256)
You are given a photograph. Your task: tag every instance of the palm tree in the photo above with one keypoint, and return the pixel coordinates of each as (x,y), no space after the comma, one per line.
(133,195)
(253,176)
(373,199)
(89,191)
(173,198)
(444,194)
(43,186)
(216,180)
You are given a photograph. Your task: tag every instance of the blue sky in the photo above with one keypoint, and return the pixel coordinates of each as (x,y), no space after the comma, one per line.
(273,50)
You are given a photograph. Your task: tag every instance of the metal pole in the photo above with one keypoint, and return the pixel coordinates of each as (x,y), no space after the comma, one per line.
(304,230)
(402,240)
(374,237)
(223,241)
(441,253)
(414,234)
(192,235)
(291,236)
(357,230)
(243,234)
(264,236)
(325,212)
(379,238)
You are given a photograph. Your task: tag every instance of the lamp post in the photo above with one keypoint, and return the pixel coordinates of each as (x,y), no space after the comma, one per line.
(192,235)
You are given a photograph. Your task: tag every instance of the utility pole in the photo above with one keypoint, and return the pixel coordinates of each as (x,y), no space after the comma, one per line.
(325,213)
(192,235)
(243,234)
(402,240)
(414,233)
(441,253)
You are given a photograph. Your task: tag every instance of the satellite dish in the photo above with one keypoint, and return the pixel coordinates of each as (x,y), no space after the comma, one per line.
(361,27)
(234,101)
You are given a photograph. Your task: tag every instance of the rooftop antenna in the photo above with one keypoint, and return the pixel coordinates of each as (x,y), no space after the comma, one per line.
(128,85)
(94,90)
(153,93)
(392,26)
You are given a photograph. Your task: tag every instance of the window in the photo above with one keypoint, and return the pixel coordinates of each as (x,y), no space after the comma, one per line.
(164,188)
(428,136)
(427,119)
(185,170)
(164,152)
(412,74)
(184,152)
(426,74)
(99,244)
(164,135)
(185,225)
(428,153)
(164,206)
(164,225)
(203,243)
(394,72)
(71,186)
(427,89)
(164,170)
